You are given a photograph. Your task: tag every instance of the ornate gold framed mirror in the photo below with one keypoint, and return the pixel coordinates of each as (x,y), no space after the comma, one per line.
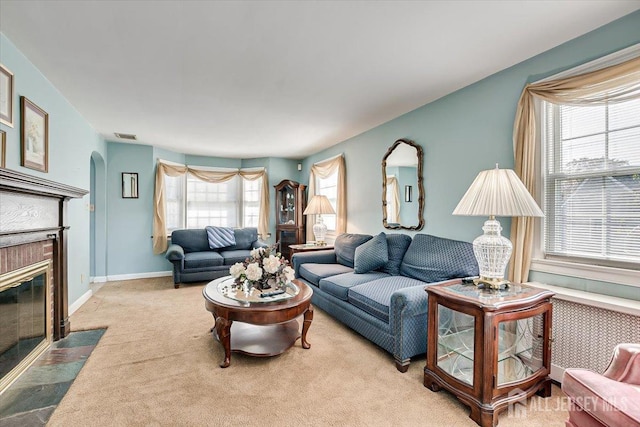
(401,179)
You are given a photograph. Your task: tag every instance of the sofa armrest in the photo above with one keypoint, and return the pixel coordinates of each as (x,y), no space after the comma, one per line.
(314,257)
(174,253)
(625,364)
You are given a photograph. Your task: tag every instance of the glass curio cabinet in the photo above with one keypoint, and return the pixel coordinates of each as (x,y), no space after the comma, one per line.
(290,204)
(491,348)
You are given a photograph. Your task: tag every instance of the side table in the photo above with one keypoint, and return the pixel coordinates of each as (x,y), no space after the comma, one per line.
(307,247)
(490,348)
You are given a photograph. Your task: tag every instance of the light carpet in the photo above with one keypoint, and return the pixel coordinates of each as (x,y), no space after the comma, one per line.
(157,365)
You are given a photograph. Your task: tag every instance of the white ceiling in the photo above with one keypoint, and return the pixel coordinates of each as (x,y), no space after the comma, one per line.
(277,78)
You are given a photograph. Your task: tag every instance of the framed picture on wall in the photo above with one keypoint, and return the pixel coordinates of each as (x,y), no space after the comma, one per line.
(6,96)
(34,136)
(3,149)
(129,185)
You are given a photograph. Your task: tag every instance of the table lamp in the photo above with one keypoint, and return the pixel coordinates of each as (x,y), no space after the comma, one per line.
(495,192)
(319,205)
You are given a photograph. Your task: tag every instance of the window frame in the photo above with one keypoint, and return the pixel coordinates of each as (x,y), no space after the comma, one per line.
(566,266)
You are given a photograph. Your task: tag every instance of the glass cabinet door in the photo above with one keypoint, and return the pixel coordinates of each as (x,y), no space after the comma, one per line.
(520,349)
(456,343)
(287,206)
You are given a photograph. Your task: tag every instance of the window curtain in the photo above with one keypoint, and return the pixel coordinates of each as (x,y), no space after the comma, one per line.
(616,83)
(160,242)
(393,199)
(323,170)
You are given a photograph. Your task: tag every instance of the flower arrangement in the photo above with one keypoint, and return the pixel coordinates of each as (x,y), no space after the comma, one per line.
(264,269)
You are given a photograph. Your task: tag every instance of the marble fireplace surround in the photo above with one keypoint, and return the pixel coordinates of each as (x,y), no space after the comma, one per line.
(33,228)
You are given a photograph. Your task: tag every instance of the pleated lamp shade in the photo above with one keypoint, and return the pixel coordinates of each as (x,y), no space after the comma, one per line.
(319,205)
(497,192)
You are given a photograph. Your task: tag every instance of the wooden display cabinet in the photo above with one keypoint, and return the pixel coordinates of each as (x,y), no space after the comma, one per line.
(290,225)
(491,348)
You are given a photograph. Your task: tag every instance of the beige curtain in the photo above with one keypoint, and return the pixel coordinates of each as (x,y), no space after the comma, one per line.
(325,169)
(393,200)
(159,225)
(612,84)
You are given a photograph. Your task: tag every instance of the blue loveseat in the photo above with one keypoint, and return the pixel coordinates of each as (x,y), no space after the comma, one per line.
(194,260)
(376,285)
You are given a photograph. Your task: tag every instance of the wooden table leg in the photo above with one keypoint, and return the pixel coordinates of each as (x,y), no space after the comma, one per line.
(223,329)
(308,318)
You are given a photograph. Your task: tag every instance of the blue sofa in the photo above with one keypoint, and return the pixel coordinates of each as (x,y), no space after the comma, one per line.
(376,285)
(194,261)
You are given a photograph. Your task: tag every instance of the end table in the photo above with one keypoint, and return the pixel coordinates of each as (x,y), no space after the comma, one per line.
(490,348)
(306,247)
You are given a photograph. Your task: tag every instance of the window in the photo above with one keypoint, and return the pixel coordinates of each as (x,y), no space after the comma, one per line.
(251,202)
(592,183)
(193,203)
(329,187)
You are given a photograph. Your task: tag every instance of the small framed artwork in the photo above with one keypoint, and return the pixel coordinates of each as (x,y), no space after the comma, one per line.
(408,193)
(3,149)
(34,136)
(129,185)
(6,96)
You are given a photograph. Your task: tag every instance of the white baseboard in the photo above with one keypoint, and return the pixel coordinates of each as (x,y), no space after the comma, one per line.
(78,303)
(556,372)
(98,279)
(139,275)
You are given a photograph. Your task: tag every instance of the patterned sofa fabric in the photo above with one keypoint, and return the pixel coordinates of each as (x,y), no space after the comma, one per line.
(433,259)
(375,297)
(195,261)
(388,305)
(339,285)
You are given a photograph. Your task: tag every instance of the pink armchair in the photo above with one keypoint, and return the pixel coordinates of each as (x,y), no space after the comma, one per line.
(611,399)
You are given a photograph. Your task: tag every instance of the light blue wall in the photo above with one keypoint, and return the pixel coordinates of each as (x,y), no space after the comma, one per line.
(130,221)
(71,142)
(461,134)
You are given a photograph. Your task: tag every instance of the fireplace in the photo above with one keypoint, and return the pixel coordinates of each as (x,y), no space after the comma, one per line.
(25,320)
(33,269)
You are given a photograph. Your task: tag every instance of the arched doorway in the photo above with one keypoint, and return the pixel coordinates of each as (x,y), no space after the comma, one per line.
(98,218)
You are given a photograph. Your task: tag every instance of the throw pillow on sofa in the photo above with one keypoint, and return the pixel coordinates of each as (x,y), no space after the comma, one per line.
(371,255)
(345,247)
(220,237)
(397,245)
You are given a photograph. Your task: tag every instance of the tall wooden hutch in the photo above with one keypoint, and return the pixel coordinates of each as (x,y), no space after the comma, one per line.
(291,201)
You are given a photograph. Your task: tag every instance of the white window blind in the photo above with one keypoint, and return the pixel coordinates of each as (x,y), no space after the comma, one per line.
(592,183)
(212,204)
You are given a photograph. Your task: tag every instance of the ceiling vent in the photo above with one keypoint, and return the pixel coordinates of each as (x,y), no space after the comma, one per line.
(125,136)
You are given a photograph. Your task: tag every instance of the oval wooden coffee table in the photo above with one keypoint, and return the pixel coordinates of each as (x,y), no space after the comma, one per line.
(258,328)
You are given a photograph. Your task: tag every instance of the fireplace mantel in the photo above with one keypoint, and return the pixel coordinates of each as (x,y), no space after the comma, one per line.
(34,210)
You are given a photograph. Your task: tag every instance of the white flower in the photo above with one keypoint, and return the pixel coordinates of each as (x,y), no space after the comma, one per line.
(237,270)
(289,273)
(254,272)
(255,253)
(271,264)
